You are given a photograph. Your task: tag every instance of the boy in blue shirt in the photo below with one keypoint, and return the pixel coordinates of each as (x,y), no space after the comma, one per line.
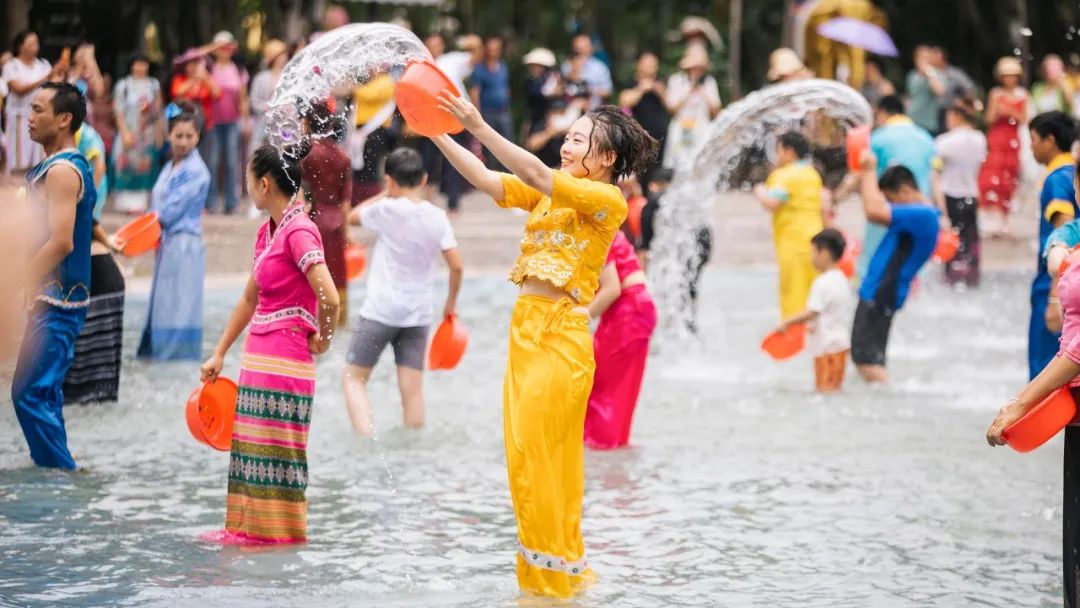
(1052,136)
(895,201)
(896,141)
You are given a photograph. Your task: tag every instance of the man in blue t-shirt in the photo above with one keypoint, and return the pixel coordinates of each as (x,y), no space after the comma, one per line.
(897,141)
(489,87)
(1052,136)
(895,201)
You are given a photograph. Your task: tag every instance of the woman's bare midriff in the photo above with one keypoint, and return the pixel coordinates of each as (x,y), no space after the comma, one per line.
(538,287)
(633,279)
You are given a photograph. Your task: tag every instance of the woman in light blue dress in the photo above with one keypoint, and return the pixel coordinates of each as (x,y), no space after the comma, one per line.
(174,322)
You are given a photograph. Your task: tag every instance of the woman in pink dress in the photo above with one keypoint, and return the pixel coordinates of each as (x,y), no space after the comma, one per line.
(1006,113)
(621,345)
(291,306)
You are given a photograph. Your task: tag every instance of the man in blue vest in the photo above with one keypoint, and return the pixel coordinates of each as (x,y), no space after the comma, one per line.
(61,196)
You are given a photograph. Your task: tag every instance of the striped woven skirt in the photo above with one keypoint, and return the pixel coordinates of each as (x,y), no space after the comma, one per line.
(94,374)
(268,471)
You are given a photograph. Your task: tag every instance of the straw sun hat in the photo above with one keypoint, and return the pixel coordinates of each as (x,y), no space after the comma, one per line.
(273,49)
(784,62)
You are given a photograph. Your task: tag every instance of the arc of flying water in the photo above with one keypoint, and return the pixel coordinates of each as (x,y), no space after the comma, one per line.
(752,122)
(338,61)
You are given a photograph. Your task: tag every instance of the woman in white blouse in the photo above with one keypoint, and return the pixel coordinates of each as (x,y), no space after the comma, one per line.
(23,75)
(694,100)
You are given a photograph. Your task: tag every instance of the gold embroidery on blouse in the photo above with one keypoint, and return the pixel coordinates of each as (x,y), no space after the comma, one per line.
(564,241)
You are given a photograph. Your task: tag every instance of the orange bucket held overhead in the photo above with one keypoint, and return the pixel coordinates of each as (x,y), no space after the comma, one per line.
(210,412)
(355,261)
(1041,422)
(858,140)
(139,235)
(448,345)
(948,243)
(785,345)
(416,95)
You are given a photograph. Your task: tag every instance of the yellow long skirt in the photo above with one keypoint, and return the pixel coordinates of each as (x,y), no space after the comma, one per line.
(549,375)
(797,274)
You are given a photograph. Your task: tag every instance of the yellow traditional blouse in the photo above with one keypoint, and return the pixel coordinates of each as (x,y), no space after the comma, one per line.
(568,234)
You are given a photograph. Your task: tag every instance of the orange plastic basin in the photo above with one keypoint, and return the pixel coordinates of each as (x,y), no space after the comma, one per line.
(139,235)
(948,243)
(448,345)
(1042,421)
(210,412)
(355,261)
(858,140)
(785,345)
(416,95)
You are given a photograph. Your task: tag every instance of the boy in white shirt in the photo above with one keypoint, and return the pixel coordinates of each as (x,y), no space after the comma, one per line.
(829,311)
(412,233)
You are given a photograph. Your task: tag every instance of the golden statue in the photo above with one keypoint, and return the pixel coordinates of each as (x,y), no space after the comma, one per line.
(824,56)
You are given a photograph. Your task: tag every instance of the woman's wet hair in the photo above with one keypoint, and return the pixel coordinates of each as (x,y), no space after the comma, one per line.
(182,111)
(614,131)
(281,166)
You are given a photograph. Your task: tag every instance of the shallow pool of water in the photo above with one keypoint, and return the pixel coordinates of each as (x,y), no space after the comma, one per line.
(742,487)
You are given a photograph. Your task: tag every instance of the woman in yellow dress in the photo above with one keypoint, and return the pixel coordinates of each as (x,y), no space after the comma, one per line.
(574,213)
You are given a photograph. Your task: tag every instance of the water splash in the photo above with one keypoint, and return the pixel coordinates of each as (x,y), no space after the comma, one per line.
(333,66)
(739,142)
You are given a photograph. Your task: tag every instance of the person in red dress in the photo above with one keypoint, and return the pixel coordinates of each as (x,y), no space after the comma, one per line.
(328,190)
(1006,114)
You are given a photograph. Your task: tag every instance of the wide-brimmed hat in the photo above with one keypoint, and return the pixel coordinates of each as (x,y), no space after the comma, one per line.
(695,57)
(273,49)
(540,56)
(1009,66)
(784,62)
(188,56)
(699,25)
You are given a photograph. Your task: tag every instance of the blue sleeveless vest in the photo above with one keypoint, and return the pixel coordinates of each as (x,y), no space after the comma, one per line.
(67,285)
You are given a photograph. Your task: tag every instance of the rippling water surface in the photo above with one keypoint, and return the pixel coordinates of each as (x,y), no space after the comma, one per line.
(742,488)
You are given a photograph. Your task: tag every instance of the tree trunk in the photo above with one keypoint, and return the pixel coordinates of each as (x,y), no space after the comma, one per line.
(787,37)
(1024,42)
(735,49)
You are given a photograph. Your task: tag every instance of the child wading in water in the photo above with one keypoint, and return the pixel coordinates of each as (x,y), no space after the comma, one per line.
(793,195)
(412,234)
(829,309)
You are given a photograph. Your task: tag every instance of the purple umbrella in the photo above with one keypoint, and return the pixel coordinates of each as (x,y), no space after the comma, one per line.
(859,34)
